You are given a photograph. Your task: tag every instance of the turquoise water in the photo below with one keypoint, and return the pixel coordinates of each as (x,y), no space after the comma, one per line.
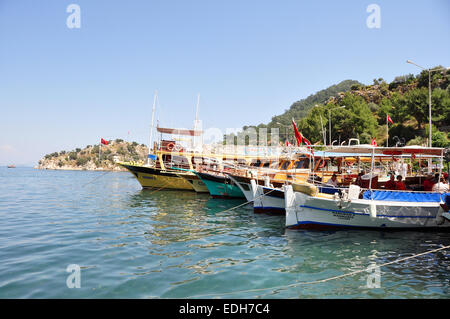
(131,243)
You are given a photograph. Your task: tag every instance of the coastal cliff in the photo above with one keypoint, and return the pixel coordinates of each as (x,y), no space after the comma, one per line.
(95,157)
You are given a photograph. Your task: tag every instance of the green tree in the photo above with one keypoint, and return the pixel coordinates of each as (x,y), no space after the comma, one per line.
(416,103)
(72,156)
(438,138)
(81,161)
(311,126)
(353,120)
(440,103)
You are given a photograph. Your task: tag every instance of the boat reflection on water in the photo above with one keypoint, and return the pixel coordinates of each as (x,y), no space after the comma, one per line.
(188,216)
(172,216)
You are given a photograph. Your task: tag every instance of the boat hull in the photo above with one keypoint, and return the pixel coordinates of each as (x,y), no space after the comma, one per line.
(150,177)
(267,199)
(315,212)
(196,183)
(220,186)
(244,183)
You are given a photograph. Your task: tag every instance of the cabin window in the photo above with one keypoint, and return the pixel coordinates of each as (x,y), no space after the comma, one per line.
(274,165)
(256,163)
(180,161)
(285,165)
(241,162)
(266,164)
(304,163)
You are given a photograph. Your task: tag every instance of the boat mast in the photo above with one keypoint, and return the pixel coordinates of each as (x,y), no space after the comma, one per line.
(195,141)
(152,126)
(196,110)
(372,161)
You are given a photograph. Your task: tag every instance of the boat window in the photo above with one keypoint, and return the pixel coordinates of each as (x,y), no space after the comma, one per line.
(333,165)
(273,165)
(256,163)
(304,163)
(285,165)
(266,164)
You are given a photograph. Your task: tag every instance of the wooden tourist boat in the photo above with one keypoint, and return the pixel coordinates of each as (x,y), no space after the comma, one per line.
(358,207)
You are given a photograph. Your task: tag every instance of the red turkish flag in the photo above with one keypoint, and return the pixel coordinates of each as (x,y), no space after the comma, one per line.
(389,119)
(308,143)
(104,141)
(374,142)
(298,136)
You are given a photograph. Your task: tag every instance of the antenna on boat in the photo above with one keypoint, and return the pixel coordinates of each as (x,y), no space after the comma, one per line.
(197,126)
(196,109)
(152,126)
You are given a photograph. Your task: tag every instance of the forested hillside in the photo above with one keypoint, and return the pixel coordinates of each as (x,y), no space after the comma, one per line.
(360,111)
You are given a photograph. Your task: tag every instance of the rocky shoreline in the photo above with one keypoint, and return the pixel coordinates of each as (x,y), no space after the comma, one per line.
(72,168)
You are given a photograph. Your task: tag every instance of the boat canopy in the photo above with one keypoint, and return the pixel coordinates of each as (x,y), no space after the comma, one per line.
(399,196)
(367,150)
(176,131)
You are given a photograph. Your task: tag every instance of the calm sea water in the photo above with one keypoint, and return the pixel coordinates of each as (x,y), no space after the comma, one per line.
(133,243)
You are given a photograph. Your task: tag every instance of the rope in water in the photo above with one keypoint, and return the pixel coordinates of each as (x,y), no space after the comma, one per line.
(157,190)
(327,279)
(250,201)
(95,178)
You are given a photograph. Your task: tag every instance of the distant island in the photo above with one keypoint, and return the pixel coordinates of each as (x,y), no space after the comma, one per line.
(95,157)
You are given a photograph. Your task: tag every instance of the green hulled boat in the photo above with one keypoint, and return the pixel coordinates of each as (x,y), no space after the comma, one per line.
(220,186)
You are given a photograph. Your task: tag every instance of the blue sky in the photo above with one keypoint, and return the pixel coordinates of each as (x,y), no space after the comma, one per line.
(64,88)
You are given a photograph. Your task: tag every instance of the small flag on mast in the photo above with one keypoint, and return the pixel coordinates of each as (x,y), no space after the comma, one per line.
(374,142)
(104,141)
(390,120)
(298,136)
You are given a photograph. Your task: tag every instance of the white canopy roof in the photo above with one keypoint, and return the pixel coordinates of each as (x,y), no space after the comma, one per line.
(369,149)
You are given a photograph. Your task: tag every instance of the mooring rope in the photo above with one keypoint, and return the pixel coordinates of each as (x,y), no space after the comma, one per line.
(326,279)
(95,178)
(250,201)
(157,190)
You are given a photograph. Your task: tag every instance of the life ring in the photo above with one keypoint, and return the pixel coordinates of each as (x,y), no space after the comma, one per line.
(170,146)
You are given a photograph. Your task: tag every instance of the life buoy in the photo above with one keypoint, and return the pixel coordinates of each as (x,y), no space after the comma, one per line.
(170,146)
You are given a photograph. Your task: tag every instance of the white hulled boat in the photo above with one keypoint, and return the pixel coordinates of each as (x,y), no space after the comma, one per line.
(359,207)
